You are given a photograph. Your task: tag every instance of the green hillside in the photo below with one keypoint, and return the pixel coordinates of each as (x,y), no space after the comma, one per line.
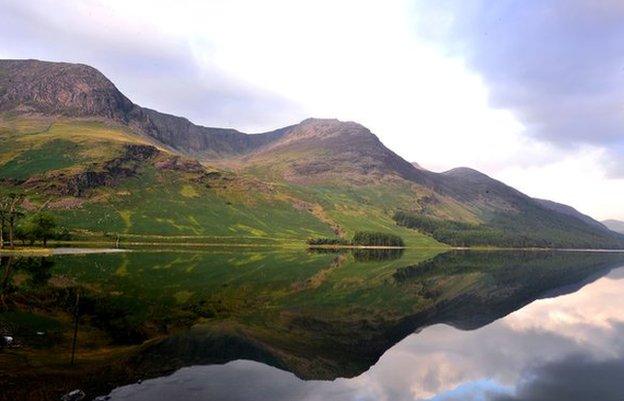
(150,203)
(109,169)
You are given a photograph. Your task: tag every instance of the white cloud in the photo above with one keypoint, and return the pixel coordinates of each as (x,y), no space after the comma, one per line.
(576,178)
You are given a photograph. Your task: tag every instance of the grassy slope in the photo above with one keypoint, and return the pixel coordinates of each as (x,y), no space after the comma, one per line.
(169,205)
(367,208)
(157,203)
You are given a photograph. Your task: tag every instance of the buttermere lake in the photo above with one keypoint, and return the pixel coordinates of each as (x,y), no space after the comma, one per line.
(237,324)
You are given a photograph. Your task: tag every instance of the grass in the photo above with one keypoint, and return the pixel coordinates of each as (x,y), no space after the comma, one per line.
(153,203)
(207,213)
(366,208)
(56,154)
(173,204)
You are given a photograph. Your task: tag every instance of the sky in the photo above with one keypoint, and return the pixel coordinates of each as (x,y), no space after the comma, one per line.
(531,92)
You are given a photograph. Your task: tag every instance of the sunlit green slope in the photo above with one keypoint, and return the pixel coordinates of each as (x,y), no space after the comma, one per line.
(102,180)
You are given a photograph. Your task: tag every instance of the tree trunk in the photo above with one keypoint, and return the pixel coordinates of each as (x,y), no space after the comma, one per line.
(8,269)
(11,224)
(7,273)
(1,234)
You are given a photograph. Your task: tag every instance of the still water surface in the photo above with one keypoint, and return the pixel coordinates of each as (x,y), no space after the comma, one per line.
(302,326)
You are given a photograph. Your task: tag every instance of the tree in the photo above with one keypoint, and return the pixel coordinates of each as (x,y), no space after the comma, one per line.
(369,238)
(45,225)
(26,231)
(3,221)
(10,212)
(6,275)
(41,226)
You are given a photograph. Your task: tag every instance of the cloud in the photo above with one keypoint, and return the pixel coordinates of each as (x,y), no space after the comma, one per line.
(558,65)
(577,377)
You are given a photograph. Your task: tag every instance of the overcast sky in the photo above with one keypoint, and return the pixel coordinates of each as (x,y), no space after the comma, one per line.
(530,92)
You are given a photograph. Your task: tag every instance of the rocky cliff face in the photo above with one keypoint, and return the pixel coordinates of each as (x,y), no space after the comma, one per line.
(202,142)
(74,90)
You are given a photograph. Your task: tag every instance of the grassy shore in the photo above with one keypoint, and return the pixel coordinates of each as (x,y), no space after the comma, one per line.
(103,245)
(26,251)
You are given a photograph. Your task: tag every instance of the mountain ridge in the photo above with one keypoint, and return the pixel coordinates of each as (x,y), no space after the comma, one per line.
(614,225)
(79,90)
(306,165)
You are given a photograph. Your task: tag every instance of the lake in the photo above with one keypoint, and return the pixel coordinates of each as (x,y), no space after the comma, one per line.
(238,324)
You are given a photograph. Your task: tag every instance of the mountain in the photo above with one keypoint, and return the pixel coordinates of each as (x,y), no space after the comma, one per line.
(615,225)
(507,217)
(76,90)
(570,211)
(321,149)
(73,143)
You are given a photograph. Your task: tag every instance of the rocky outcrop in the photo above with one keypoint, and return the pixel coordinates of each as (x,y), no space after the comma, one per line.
(178,163)
(109,174)
(74,90)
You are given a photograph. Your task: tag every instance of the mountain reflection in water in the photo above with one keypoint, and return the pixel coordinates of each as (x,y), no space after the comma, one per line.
(565,348)
(297,325)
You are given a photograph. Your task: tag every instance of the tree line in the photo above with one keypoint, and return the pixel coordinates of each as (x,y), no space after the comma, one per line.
(17,224)
(458,233)
(362,238)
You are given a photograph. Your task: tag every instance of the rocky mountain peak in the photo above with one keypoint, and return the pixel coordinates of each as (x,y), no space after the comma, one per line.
(73,90)
(325,128)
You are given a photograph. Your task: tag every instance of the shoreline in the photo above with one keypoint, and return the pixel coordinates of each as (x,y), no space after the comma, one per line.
(91,247)
(54,251)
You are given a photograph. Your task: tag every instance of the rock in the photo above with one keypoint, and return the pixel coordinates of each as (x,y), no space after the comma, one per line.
(108,174)
(75,395)
(178,163)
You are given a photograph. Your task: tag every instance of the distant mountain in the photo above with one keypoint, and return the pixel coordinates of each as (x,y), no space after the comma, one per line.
(614,225)
(569,211)
(70,140)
